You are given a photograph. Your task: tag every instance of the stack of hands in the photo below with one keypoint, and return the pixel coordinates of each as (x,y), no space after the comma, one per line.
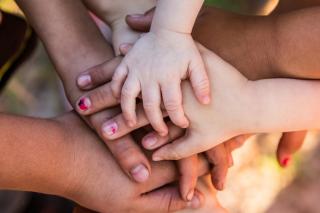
(198,124)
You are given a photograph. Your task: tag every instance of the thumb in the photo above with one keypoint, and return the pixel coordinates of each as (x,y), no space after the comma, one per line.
(141,22)
(181,148)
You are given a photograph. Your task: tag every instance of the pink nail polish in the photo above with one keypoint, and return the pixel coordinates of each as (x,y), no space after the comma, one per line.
(110,128)
(84,104)
(286,161)
(84,81)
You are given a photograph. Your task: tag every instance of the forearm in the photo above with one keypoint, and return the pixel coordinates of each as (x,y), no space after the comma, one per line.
(34,155)
(251,44)
(182,15)
(284,105)
(73,41)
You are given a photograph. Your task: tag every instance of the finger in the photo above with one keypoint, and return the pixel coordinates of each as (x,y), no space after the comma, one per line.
(151,104)
(237,142)
(218,157)
(118,79)
(188,169)
(126,151)
(141,22)
(289,144)
(129,93)
(96,100)
(181,148)
(172,99)
(98,75)
(117,126)
(168,199)
(153,140)
(125,48)
(200,81)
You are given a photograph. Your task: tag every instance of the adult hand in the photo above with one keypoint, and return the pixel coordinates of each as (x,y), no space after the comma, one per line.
(211,203)
(96,182)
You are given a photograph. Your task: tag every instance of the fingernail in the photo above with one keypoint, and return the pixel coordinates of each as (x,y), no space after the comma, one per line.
(84,81)
(136,15)
(140,173)
(206,99)
(190,195)
(194,203)
(84,104)
(150,141)
(221,186)
(286,161)
(110,128)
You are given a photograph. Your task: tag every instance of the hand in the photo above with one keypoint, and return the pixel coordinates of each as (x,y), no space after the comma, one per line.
(96,182)
(211,202)
(160,73)
(221,160)
(114,12)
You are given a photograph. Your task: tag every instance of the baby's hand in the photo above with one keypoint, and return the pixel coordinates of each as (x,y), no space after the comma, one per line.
(155,66)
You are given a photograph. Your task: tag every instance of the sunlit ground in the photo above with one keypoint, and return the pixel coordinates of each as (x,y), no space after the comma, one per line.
(255,184)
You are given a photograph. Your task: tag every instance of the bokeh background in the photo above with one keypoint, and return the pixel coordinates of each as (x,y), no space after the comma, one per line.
(255,184)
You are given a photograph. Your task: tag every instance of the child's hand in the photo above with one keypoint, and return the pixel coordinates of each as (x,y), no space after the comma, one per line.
(168,57)
(114,13)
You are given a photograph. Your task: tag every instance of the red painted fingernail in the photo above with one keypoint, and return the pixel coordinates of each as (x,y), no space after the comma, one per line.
(110,128)
(286,161)
(84,104)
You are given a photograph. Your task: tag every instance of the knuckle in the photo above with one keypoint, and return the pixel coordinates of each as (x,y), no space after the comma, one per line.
(126,92)
(149,106)
(99,97)
(203,85)
(172,106)
(126,155)
(175,155)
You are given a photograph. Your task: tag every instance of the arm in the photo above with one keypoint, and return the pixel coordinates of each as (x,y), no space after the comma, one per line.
(282,45)
(71,38)
(248,107)
(183,15)
(34,156)
(114,13)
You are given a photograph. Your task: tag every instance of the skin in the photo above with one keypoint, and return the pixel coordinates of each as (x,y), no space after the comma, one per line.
(159,77)
(206,29)
(94,48)
(62,156)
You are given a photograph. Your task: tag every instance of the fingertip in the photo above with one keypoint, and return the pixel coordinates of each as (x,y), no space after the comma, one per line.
(206,99)
(285,161)
(197,200)
(149,141)
(84,81)
(83,105)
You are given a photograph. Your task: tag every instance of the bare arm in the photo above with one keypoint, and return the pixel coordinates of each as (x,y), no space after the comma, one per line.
(34,156)
(282,45)
(73,41)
